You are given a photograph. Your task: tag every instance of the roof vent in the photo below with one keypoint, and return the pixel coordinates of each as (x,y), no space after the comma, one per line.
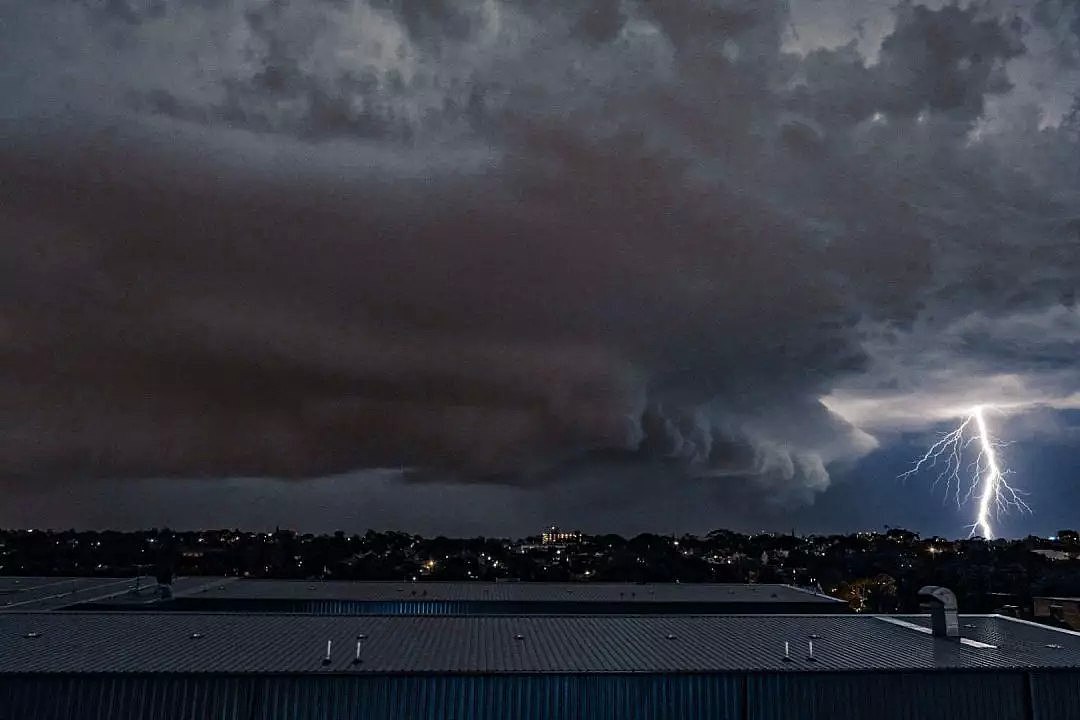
(326,658)
(810,652)
(787,651)
(670,636)
(196,635)
(1055,646)
(941,602)
(519,637)
(32,634)
(359,645)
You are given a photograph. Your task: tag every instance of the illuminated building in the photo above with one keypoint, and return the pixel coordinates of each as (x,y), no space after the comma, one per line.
(554,536)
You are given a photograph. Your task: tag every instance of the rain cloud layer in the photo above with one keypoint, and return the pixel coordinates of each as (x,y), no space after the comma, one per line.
(731,243)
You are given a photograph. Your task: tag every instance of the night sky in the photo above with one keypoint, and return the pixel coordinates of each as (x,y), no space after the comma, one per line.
(476,266)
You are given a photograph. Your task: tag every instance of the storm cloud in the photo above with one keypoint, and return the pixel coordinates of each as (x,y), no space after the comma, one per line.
(503,241)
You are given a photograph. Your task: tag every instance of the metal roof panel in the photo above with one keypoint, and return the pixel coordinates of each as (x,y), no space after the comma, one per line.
(507,591)
(238,643)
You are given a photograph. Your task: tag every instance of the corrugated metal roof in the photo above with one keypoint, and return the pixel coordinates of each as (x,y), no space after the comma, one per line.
(21,584)
(508,591)
(1030,643)
(233,643)
(46,593)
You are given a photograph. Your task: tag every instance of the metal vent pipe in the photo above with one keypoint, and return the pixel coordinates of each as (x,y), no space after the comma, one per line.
(944,618)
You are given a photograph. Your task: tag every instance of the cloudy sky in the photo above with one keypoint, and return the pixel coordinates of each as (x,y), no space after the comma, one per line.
(474,266)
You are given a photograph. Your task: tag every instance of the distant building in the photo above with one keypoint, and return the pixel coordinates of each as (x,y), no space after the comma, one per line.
(1069,537)
(1062,610)
(554,536)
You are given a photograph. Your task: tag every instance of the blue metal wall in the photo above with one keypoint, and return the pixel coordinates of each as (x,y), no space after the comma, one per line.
(1055,695)
(892,696)
(783,696)
(492,697)
(421,606)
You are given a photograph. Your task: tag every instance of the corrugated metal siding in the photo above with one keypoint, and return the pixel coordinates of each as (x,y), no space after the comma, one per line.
(1055,696)
(776,595)
(114,697)
(498,698)
(831,696)
(896,696)
(565,697)
(414,606)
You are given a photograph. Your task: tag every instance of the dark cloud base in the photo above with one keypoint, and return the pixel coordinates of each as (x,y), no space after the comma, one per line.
(495,242)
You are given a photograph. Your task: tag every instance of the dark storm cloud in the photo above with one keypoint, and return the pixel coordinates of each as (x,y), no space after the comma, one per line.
(947,61)
(1062,19)
(495,240)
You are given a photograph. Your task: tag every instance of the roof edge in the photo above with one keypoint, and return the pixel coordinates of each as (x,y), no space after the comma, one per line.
(1035,624)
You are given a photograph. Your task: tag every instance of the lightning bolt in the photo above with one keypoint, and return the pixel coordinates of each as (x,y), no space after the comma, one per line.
(982,480)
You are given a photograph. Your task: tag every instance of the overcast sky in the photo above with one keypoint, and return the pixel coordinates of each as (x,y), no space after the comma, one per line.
(474,266)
